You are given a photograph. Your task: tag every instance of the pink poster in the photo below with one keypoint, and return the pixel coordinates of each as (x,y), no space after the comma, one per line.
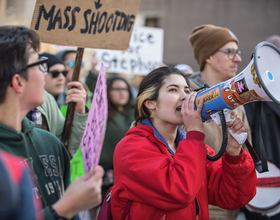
(95,129)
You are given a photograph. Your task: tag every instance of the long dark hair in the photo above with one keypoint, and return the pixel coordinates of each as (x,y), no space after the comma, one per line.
(149,88)
(112,109)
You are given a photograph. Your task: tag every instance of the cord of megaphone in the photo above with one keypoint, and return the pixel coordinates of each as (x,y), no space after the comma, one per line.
(225,139)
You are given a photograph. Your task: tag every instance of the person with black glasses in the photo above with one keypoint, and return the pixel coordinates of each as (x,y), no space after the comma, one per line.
(55,78)
(217,54)
(55,84)
(47,116)
(22,79)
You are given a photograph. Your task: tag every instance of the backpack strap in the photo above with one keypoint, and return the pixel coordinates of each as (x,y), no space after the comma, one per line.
(105,212)
(260,165)
(127,209)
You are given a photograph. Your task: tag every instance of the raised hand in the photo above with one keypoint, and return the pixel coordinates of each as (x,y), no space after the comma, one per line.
(191,117)
(77,94)
(237,126)
(83,194)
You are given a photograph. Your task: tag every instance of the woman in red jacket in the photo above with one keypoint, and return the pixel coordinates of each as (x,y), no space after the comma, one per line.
(163,170)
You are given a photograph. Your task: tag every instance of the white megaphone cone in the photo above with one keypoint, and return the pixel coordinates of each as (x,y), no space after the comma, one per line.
(259,81)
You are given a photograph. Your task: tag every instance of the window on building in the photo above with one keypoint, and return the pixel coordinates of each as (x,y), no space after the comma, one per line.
(151,22)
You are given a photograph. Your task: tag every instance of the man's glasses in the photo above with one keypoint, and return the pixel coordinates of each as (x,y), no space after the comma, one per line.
(55,73)
(231,53)
(42,63)
(72,63)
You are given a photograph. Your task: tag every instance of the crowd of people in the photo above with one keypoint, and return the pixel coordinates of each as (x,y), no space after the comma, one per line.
(155,145)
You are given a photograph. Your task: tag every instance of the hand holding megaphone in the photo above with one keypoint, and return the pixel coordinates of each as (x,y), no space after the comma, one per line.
(259,81)
(240,138)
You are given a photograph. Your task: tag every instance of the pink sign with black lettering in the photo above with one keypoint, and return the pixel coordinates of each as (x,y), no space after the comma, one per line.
(95,129)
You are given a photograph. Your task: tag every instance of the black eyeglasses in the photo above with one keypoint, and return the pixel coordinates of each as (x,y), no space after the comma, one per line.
(55,73)
(43,64)
(231,53)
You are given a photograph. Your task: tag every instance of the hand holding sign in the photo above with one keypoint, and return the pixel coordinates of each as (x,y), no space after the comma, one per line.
(95,129)
(105,24)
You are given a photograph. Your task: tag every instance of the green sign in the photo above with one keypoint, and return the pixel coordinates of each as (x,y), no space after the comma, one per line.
(76,164)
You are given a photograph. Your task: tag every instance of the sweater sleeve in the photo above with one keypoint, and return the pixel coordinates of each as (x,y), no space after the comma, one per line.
(56,120)
(91,80)
(47,213)
(151,175)
(231,180)
(77,131)
(66,179)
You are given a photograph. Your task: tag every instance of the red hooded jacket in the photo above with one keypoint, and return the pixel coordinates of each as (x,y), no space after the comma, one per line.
(164,185)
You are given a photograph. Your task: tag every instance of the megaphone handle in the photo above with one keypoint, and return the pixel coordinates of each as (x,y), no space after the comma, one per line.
(240,138)
(225,139)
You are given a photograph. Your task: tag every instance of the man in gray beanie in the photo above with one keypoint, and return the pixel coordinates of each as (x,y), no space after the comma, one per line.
(216,52)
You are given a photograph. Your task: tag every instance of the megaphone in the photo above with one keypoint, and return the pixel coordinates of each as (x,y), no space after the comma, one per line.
(259,81)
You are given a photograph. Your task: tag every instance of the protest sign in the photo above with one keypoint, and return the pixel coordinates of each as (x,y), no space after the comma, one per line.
(145,53)
(103,24)
(76,163)
(77,166)
(95,129)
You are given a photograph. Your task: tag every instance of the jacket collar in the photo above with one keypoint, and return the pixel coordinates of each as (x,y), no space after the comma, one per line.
(180,134)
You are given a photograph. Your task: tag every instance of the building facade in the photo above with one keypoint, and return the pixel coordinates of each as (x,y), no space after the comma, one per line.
(250,20)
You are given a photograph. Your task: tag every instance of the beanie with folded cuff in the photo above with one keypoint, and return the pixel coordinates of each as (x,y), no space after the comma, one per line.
(52,59)
(207,40)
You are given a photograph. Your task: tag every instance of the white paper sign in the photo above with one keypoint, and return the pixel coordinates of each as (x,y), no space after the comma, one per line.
(145,53)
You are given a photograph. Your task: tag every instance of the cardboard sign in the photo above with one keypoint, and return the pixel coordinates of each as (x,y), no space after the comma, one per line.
(95,129)
(103,24)
(145,53)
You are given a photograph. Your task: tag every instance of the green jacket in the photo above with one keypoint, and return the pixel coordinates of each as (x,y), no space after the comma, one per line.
(43,153)
(91,80)
(53,121)
(116,127)
(115,131)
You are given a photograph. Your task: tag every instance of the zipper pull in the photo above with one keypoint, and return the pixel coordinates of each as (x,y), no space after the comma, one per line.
(108,197)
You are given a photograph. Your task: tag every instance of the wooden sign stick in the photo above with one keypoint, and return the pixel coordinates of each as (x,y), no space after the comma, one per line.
(71,106)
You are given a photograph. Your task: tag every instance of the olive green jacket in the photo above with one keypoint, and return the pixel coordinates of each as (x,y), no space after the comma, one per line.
(53,121)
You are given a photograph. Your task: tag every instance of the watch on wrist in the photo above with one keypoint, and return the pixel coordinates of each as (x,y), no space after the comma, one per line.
(55,215)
